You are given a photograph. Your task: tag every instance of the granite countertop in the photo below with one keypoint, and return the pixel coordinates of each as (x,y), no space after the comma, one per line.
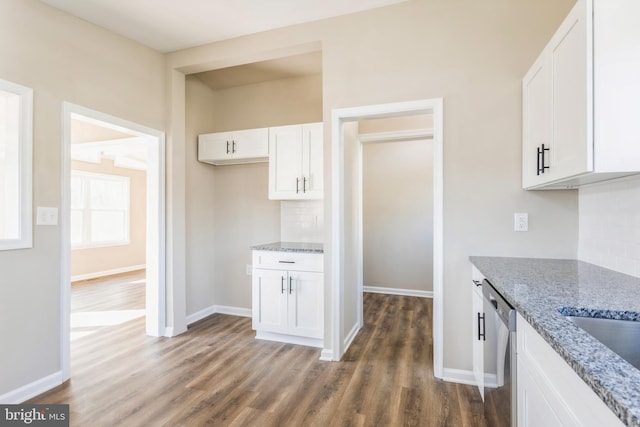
(290,247)
(539,288)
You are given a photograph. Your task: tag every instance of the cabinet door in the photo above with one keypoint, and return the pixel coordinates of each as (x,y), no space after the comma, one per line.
(215,146)
(572,109)
(478,330)
(270,300)
(537,90)
(251,143)
(312,165)
(285,162)
(306,308)
(533,408)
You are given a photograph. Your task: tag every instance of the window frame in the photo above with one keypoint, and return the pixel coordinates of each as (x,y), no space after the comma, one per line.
(86,242)
(25,166)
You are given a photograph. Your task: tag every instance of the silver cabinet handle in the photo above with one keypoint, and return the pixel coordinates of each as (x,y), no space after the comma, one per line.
(290,285)
(297,185)
(282,285)
(233,146)
(304,184)
(287,262)
(227,147)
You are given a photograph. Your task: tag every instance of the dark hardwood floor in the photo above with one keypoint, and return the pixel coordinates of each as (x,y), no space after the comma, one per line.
(217,374)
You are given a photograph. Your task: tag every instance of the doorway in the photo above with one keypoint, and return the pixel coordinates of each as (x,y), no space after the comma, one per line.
(346,247)
(140,146)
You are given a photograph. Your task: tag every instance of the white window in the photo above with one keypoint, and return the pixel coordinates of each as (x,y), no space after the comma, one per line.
(15,165)
(99,209)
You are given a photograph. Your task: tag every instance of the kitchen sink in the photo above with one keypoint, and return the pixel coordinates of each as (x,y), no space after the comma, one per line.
(621,336)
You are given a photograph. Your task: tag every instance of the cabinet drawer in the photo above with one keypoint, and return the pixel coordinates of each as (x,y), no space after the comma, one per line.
(291,261)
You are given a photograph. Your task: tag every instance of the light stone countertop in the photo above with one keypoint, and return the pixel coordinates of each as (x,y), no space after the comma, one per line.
(290,247)
(539,288)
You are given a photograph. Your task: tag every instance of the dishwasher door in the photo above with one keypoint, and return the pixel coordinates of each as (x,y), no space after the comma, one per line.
(499,360)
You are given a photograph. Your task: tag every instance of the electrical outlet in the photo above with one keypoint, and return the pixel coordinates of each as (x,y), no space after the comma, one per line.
(46,216)
(521,222)
(249,269)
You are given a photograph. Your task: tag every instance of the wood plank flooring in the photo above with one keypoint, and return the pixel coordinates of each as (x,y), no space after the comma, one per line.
(218,374)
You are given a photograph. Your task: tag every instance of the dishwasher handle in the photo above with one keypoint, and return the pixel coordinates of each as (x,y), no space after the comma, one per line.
(506,313)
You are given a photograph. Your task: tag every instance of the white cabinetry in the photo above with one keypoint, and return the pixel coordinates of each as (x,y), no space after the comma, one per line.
(578,96)
(288,295)
(549,392)
(478,329)
(243,146)
(295,162)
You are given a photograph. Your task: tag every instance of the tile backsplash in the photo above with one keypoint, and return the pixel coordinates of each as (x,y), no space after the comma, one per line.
(609,224)
(302,221)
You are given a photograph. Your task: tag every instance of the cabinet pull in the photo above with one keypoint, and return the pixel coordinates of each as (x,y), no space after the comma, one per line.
(304,184)
(290,285)
(287,262)
(541,163)
(282,286)
(538,161)
(481,335)
(297,185)
(227,147)
(233,146)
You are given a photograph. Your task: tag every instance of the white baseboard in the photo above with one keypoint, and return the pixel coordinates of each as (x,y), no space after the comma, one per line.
(222,309)
(88,276)
(350,337)
(33,389)
(458,376)
(395,291)
(199,315)
(233,311)
(326,355)
(290,339)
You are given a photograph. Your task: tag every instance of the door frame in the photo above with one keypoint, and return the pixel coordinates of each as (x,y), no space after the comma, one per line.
(335,348)
(155,307)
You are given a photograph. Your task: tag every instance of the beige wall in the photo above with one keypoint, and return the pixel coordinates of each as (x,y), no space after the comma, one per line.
(228,207)
(63,59)
(397,204)
(90,261)
(472,54)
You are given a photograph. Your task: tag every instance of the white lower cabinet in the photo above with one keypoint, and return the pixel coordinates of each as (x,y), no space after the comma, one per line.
(287,298)
(549,392)
(478,327)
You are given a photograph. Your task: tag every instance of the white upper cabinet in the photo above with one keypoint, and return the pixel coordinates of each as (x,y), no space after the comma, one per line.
(225,148)
(295,162)
(578,99)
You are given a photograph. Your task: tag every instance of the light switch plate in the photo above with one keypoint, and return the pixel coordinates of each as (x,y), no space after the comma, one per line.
(46,216)
(521,222)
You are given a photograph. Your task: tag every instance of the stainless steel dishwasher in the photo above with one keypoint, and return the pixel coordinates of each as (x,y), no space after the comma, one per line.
(500,403)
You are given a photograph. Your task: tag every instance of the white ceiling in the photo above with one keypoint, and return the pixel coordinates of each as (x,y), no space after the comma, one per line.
(168,25)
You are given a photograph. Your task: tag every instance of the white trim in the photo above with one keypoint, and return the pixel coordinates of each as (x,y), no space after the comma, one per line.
(351,336)
(33,389)
(338,118)
(458,376)
(25,158)
(396,291)
(170,332)
(111,272)
(218,309)
(201,314)
(155,246)
(289,339)
(326,355)
(394,136)
(233,311)
(462,376)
